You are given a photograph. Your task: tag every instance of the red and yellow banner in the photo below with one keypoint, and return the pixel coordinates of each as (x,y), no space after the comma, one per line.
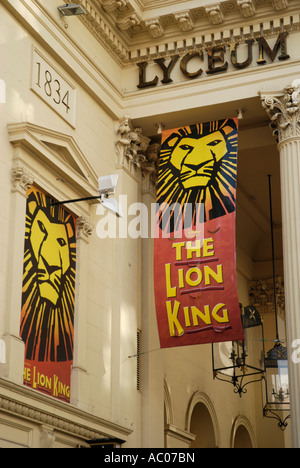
(194,250)
(48,295)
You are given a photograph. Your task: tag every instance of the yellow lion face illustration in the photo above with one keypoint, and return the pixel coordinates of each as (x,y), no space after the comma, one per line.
(50,246)
(196,158)
(48,294)
(197,173)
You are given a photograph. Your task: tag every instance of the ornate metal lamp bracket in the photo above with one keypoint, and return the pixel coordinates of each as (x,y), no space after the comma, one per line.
(282,423)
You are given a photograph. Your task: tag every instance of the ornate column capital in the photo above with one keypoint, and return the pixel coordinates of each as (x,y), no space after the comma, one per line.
(131,146)
(283,109)
(84,228)
(22,179)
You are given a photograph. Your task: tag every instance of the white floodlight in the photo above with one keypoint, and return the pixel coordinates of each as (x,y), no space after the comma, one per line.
(107,184)
(71,9)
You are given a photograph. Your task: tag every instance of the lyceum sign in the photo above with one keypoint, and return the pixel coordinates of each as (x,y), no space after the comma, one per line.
(216,59)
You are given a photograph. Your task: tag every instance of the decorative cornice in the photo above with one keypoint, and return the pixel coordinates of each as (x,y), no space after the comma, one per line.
(283,110)
(63,417)
(280,4)
(184,21)
(124,30)
(247,8)
(26,411)
(155,28)
(215,14)
(126,23)
(113,5)
(108,37)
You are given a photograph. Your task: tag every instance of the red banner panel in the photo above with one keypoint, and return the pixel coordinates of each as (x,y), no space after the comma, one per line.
(194,247)
(48,294)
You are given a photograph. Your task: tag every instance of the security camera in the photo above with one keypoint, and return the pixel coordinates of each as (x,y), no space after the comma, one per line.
(108,184)
(71,9)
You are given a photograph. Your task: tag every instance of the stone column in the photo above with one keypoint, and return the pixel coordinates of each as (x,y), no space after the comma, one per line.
(14,366)
(283,109)
(152,375)
(79,375)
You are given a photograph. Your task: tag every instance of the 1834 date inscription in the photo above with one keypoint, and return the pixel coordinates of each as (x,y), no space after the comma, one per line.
(53,88)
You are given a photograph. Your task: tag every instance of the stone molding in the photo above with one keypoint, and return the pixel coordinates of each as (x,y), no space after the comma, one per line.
(65,418)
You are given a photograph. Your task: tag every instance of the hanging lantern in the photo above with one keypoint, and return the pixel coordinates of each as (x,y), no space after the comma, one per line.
(241,362)
(277,396)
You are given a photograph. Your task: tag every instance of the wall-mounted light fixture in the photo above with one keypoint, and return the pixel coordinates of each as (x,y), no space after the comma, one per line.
(106,186)
(71,9)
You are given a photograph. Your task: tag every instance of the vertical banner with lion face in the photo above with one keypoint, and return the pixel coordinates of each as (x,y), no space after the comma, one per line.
(194,250)
(48,294)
